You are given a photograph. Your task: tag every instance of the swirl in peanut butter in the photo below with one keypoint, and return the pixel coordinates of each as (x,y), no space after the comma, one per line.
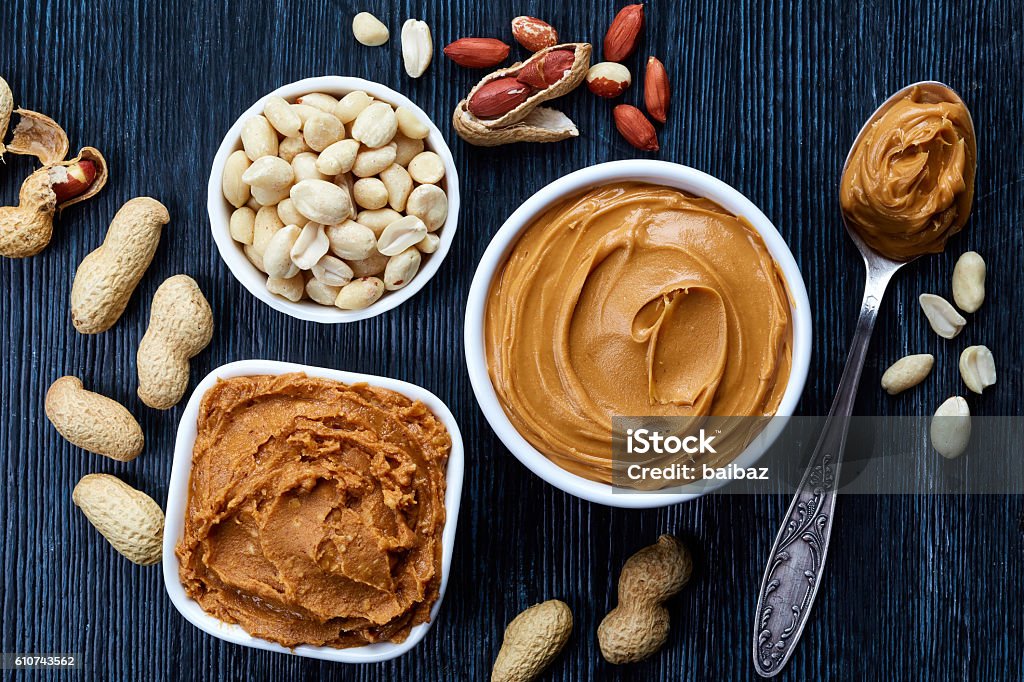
(909,182)
(634,300)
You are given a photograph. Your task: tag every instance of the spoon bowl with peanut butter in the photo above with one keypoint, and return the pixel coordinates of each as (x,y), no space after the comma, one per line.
(907,186)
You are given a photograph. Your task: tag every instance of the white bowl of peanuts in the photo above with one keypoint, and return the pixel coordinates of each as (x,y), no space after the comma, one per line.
(333,199)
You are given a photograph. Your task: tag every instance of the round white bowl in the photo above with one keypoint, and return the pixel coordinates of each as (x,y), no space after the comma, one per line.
(177,499)
(658,173)
(254,280)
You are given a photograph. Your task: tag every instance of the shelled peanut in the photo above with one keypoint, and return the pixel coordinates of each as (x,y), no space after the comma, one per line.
(336,200)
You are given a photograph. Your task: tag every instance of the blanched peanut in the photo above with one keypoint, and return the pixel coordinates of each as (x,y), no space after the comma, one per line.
(304,111)
(401,268)
(290,147)
(409,125)
(281,116)
(429,203)
(373,264)
(360,293)
(408,148)
(907,372)
(351,241)
(398,183)
(333,272)
(372,161)
(259,138)
(291,288)
(345,182)
(310,247)
(375,125)
(269,197)
(429,243)
(351,105)
(379,219)
(369,30)
(319,100)
(269,172)
(288,215)
(321,201)
(322,130)
(254,258)
(236,191)
(370,193)
(943,318)
(426,168)
(252,203)
(304,167)
(324,294)
(969,282)
(277,260)
(950,429)
(338,158)
(977,368)
(266,226)
(241,225)
(400,235)
(417,47)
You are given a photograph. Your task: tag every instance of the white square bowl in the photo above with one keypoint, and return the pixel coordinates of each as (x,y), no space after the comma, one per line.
(177,500)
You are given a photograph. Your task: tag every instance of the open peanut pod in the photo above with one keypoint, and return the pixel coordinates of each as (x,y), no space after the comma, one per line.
(543,124)
(34,134)
(40,136)
(27,228)
(504,107)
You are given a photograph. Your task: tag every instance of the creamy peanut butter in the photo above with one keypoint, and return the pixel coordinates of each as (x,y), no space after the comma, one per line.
(315,510)
(909,183)
(634,300)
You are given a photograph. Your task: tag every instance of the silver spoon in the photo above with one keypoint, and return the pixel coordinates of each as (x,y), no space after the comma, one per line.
(797,560)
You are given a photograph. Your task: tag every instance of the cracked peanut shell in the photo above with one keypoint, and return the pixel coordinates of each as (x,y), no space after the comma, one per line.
(527,122)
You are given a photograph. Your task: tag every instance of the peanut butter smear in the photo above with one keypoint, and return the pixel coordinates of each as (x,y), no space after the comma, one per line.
(315,510)
(909,183)
(634,300)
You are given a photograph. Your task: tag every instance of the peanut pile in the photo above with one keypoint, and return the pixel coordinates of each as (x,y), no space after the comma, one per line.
(336,201)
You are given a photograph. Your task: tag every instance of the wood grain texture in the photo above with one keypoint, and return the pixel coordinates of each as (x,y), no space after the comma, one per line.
(767,96)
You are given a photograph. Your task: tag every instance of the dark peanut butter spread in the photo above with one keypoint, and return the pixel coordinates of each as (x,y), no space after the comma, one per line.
(315,510)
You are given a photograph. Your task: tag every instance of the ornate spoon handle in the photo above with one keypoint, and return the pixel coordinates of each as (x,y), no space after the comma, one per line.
(797,559)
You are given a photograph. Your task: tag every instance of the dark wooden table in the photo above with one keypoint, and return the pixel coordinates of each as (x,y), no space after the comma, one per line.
(767,96)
